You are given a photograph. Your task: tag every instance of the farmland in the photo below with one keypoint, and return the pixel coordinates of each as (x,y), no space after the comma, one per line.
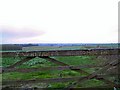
(40,62)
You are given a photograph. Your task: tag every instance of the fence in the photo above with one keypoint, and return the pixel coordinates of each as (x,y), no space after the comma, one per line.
(63,66)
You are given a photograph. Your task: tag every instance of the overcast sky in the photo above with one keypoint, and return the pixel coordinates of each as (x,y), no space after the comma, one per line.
(59,21)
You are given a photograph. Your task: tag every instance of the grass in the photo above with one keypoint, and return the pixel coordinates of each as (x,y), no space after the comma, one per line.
(76,60)
(39,62)
(92,82)
(43,48)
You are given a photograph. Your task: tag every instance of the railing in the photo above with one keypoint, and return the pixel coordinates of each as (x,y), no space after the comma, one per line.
(63,66)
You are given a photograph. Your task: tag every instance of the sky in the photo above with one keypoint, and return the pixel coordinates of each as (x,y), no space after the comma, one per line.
(58,21)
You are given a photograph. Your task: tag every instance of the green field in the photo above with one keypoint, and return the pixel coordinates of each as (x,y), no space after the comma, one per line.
(38,62)
(37,48)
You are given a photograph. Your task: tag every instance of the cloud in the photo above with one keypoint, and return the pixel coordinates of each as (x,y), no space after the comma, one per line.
(63,21)
(10,34)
